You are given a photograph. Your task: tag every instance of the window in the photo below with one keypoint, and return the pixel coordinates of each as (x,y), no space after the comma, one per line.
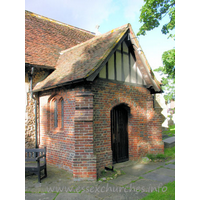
(62,113)
(56,113)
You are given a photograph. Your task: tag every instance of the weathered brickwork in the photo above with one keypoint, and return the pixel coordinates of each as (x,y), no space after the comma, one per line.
(74,105)
(83,145)
(144,125)
(59,141)
(84,160)
(70,147)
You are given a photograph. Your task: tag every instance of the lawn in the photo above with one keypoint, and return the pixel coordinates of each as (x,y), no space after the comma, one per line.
(169,194)
(171,131)
(169,154)
(166,193)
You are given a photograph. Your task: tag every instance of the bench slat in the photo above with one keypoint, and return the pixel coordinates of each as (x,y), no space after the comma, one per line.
(31,155)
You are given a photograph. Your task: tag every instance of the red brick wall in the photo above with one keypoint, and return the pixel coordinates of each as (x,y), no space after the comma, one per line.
(70,147)
(84,160)
(83,146)
(59,141)
(144,125)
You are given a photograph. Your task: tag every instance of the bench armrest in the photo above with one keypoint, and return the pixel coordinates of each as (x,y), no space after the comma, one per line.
(40,157)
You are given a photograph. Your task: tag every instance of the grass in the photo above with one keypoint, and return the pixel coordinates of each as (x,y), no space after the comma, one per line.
(171,131)
(169,154)
(157,156)
(163,194)
(56,196)
(110,174)
(137,179)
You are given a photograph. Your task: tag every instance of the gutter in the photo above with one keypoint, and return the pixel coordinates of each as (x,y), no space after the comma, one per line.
(60,85)
(31,90)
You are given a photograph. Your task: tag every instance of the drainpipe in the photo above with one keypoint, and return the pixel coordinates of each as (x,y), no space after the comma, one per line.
(31,88)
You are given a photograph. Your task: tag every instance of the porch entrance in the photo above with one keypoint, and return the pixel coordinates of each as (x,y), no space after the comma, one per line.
(119,133)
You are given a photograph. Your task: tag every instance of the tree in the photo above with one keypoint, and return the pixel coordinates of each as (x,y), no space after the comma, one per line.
(152,12)
(168,70)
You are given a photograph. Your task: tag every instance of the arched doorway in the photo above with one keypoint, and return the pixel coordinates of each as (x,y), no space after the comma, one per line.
(119,133)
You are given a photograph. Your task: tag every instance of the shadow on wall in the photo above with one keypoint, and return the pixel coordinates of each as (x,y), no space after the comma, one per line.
(158,109)
(142,123)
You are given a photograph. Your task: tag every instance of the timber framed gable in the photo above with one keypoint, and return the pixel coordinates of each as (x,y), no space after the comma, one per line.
(122,66)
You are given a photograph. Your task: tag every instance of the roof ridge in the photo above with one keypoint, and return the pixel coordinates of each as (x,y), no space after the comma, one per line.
(94,38)
(57,22)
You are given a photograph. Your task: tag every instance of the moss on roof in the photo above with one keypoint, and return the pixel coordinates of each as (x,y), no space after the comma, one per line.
(82,60)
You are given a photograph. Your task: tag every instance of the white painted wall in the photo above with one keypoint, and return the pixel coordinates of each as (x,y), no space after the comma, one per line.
(111,73)
(136,76)
(118,66)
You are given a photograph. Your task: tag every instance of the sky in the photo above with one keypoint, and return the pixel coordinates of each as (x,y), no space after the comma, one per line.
(109,14)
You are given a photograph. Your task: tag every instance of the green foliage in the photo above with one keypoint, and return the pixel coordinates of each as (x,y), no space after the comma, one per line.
(110,174)
(171,131)
(151,156)
(168,70)
(56,196)
(152,13)
(160,156)
(154,157)
(170,153)
(168,86)
(168,58)
(164,195)
(103,172)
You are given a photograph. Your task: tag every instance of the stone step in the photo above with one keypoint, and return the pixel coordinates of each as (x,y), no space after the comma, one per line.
(169,142)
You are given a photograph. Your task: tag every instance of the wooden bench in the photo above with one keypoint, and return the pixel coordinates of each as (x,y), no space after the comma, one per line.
(35,162)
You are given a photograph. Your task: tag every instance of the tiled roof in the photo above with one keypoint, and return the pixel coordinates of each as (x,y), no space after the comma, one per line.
(82,60)
(46,38)
(75,53)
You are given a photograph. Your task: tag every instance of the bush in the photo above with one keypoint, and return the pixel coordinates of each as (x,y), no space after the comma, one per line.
(158,156)
(151,156)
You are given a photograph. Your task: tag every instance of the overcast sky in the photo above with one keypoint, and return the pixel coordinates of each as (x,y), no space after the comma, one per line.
(109,14)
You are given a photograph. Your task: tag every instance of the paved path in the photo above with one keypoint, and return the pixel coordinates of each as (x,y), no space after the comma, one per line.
(136,182)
